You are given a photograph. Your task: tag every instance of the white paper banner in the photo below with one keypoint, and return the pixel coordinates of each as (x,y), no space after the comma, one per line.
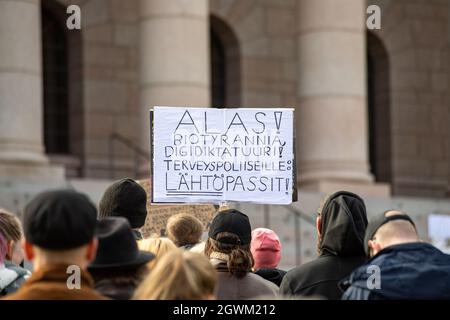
(208,155)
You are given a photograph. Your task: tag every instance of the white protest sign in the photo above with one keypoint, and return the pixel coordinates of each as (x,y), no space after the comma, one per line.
(208,155)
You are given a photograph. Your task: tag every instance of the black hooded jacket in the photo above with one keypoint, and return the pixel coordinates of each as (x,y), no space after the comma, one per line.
(341,247)
(272,274)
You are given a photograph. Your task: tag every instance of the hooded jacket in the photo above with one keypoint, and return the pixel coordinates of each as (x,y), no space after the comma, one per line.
(11,277)
(341,249)
(406,271)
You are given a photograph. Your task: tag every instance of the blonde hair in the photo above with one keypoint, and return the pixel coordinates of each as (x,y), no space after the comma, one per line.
(184,229)
(179,275)
(10,230)
(10,226)
(158,246)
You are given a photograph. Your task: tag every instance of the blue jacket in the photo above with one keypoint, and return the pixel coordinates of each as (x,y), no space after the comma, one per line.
(407,271)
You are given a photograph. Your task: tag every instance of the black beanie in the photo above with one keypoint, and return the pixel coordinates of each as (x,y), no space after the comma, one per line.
(125,198)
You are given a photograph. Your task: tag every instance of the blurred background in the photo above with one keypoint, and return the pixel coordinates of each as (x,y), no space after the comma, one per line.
(372,105)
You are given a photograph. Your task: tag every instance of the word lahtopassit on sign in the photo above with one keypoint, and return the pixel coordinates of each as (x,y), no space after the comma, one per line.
(208,155)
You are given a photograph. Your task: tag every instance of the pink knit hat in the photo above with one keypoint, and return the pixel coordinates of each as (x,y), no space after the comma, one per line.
(265,248)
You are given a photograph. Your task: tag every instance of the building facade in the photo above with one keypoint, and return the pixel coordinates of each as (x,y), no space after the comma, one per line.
(372,106)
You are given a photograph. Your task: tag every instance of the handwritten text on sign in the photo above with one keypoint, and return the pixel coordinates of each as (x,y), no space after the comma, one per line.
(215,155)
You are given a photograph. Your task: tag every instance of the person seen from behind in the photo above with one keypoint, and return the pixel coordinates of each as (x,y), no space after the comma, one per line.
(59,228)
(12,275)
(266,252)
(119,266)
(159,246)
(179,275)
(228,248)
(401,265)
(125,198)
(184,230)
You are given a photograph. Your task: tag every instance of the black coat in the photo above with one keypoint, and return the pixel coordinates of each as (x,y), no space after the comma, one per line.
(344,222)
(115,290)
(407,271)
(273,275)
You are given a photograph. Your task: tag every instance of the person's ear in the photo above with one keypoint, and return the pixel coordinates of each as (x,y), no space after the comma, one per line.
(319,225)
(28,249)
(9,250)
(374,247)
(92,249)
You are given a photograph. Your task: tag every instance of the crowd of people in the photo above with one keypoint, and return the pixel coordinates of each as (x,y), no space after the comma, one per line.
(78,252)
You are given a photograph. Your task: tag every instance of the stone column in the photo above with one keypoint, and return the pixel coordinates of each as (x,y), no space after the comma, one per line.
(174,57)
(21,102)
(332,131)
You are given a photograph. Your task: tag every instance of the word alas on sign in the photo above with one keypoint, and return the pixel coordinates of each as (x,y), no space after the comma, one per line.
(261,118)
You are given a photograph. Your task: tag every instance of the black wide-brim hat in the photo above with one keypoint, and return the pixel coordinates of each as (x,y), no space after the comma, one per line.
(117,247)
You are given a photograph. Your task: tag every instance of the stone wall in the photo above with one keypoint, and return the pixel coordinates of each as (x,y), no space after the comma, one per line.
(110,82)
(416,36)
(267,41)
